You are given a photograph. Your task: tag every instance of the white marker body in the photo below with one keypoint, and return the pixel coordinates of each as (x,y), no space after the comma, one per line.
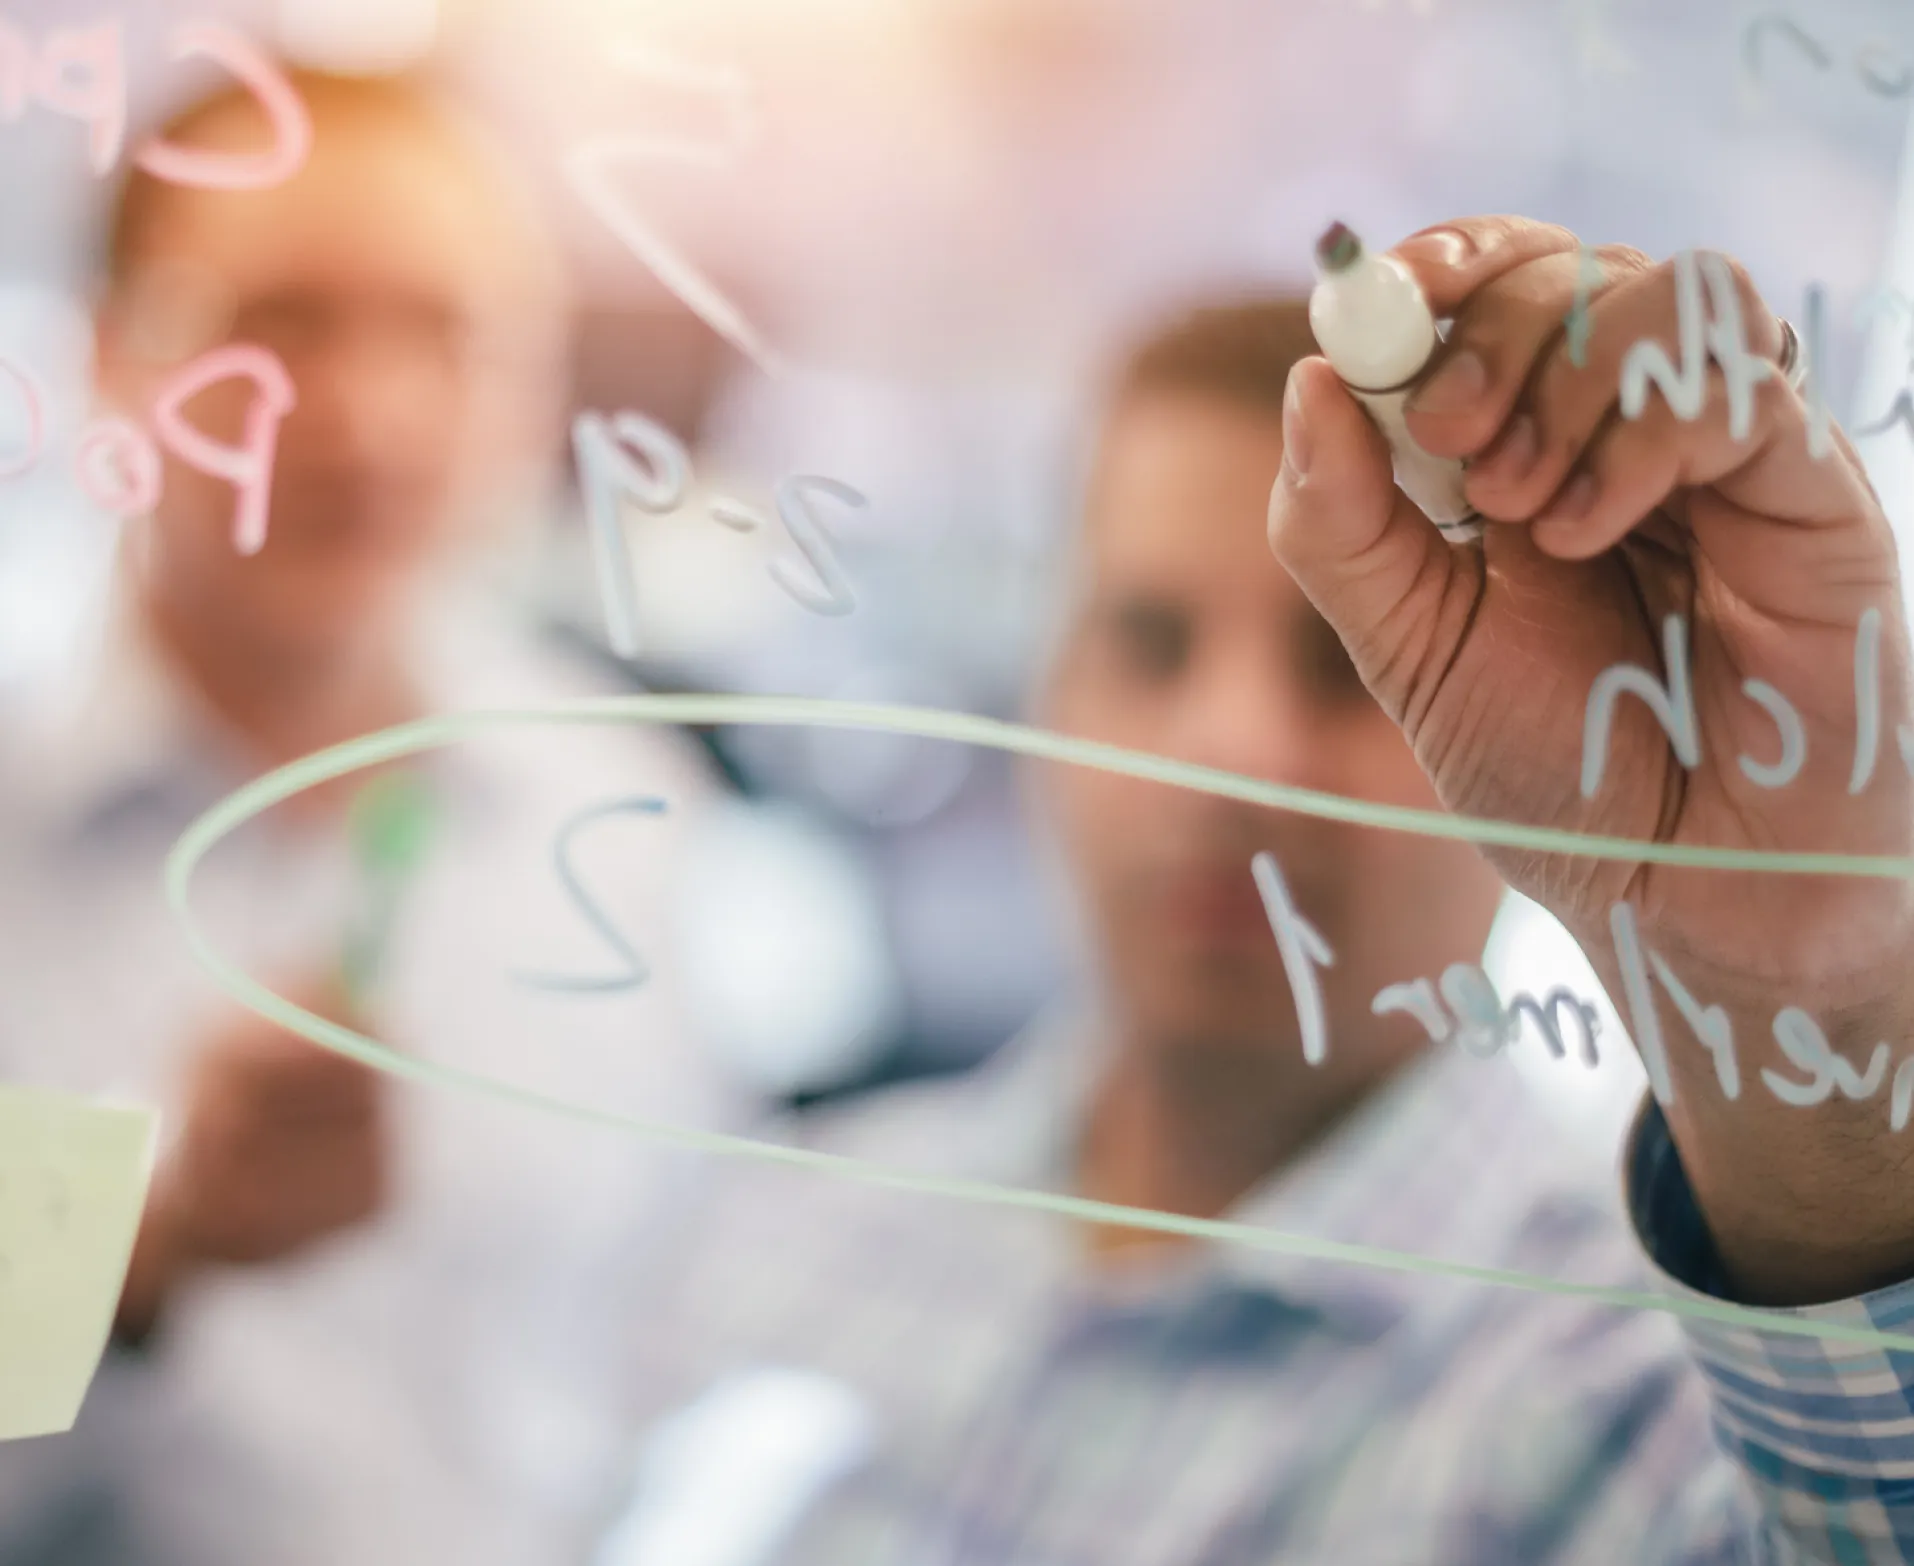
(1378,333)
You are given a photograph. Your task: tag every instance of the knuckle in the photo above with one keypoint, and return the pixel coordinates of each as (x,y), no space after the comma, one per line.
(1754,308)
(1500,228)
(1624,260)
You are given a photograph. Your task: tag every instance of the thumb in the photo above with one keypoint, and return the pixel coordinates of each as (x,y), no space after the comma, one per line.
(1369,560)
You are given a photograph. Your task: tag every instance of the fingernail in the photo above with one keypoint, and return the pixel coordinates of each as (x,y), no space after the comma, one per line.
(1457,384)
(1514,454)
(1571,505)
(1442,246)
(1295,434)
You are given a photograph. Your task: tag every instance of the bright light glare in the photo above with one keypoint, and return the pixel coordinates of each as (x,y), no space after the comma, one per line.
(782,950)
(357,37)
(1529,950)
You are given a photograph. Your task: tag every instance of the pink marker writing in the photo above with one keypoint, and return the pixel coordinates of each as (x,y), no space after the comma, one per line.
(247,466)
(80,74)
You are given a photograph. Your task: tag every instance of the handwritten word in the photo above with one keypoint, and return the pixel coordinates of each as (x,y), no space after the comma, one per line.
(1672,703)
(1717,335)
(1882,72)
(592,168)
(635,970)
(118,465)
(81,73)
(630,457)
(1482,1025)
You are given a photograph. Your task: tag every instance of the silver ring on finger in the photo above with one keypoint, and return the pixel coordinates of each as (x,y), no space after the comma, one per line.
(1791,361)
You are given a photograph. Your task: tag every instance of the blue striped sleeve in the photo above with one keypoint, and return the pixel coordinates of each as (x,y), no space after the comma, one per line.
(1823,1430)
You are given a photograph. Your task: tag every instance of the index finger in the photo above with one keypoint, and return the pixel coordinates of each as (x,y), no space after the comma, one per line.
(1452,260)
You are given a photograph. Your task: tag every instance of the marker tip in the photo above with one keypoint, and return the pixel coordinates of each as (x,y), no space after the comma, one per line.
(1338,249)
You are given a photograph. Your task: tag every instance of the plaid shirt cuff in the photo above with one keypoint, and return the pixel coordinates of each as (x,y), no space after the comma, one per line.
(1822,1428)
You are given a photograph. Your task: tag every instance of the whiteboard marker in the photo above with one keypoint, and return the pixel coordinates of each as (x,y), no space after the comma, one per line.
(1378,333)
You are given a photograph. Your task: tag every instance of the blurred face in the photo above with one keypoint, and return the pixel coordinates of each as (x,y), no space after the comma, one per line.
(391,279)
(1191,642)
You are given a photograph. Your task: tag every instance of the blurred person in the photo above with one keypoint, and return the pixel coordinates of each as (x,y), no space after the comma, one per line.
(837,1371)
(358,1325)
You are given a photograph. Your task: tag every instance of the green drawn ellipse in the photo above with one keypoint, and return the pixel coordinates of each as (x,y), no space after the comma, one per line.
(962,728)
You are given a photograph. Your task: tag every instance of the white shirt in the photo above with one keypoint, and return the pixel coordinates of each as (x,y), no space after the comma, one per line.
(425,1388)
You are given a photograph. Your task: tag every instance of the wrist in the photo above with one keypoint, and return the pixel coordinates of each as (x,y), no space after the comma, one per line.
(1801,1177)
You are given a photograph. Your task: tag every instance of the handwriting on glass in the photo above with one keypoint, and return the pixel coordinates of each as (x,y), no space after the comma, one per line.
(1479,1022)
(593,168)
(1476,1018)
(1866,313)
(1716,336)
(1670,699)
(80,73)
(118,465)
(1883,72)
(1700,333)
(633,971)
(630,458)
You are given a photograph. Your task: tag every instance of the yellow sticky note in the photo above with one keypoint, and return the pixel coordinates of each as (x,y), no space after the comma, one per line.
(73,1177)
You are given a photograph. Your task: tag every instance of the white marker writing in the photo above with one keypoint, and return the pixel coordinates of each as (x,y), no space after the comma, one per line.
(1482,1027)
(1882,72)
(1710,1024)
(1794,738)
(1717,336)
(1416,998)
(635,970)
(1644,1024)
(1673,705)
(1903,1095)
(1303,951)
(1811,377)
(609,472)
(832,595)
(1807,1048)
(1545,1015)
(593,171)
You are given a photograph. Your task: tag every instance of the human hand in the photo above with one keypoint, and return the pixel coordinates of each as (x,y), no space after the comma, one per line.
(1599,527)
(283,1144)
